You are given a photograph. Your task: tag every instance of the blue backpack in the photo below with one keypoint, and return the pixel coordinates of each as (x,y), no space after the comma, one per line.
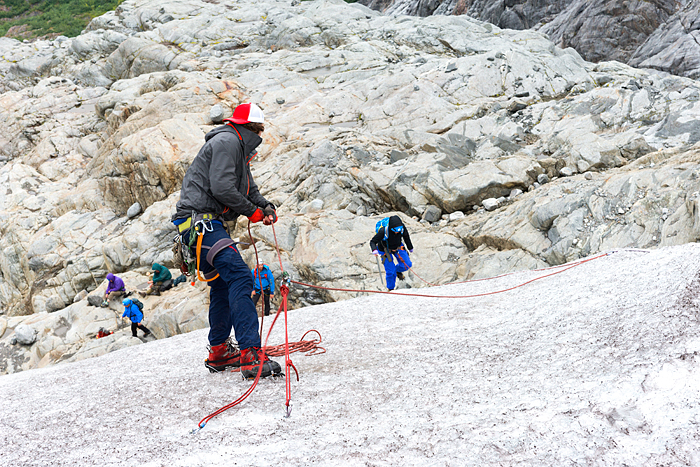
(383,223)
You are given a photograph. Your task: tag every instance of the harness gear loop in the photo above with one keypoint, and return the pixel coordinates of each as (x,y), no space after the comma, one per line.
(200,237)
(198,225)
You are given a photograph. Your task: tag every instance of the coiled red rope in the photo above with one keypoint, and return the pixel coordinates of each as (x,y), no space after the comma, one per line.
(311,347)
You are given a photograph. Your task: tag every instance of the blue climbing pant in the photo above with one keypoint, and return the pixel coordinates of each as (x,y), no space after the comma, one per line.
(230,304)
(403,263)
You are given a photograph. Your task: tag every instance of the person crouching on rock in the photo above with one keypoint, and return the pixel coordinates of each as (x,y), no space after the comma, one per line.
(219,187)
(115,288)
(161,281)
(388,242)
(133,312)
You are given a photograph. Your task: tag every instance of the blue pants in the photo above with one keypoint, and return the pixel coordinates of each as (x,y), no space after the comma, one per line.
(403,264)
(230,304)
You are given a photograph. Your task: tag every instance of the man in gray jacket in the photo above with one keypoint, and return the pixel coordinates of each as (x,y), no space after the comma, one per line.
(219,186)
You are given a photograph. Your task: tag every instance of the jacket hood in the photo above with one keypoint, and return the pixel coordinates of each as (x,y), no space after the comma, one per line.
(156,266)
(250,139)
(395,221)
(110,277)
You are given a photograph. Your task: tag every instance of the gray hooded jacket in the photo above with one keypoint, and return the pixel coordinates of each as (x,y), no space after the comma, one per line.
(219,180)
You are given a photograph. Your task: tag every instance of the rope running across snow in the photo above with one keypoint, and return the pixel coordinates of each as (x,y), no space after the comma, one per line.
(311,347)
(564,268)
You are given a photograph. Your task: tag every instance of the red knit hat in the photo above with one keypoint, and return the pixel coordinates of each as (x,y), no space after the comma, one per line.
(246,113)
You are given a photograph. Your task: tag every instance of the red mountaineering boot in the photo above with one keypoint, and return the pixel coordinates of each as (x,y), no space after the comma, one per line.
(223,356)
(251,357)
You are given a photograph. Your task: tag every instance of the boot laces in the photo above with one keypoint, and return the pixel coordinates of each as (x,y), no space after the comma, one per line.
(231,346)
(259,356)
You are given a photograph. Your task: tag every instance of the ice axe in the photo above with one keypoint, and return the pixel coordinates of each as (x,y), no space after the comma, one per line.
(379,268)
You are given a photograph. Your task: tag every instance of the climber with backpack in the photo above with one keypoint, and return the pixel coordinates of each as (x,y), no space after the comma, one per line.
(388,242)
(134,312)
(219,187)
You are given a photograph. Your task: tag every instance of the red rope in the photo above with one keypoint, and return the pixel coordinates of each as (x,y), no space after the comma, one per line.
(288,365)
(500,275)
(204,421)
(414,273)
(311,346)
(257,261)
(454,296)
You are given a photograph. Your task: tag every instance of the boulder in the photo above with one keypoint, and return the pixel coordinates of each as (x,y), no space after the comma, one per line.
(432,214)
(25,335)
(480,113)
(133,211)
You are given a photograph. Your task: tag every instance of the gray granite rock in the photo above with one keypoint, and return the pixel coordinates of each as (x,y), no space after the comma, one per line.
(432,213)
(357,86)
(216,114)
(133,211)
(25,335)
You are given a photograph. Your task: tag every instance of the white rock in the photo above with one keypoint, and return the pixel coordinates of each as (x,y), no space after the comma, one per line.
(490,204)
(314,206)
(25,334)
(133,211)
(456,216)
(566,172)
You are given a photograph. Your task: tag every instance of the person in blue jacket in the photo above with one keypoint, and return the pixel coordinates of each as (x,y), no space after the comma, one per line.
(133,312)
(263,275)
(389,244)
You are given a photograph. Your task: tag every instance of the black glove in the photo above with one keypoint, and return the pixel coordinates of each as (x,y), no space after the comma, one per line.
(269,210)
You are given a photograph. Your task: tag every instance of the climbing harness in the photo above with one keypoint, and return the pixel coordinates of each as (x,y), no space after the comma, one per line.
(187,258)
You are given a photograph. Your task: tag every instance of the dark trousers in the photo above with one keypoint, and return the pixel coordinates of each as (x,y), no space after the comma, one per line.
(135,326)
(266,300)
(230,304)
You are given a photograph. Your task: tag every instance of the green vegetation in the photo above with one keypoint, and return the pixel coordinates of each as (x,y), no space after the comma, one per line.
(34,18)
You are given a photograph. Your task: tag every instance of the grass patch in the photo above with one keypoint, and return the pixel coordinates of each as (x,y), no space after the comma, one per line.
(27,19)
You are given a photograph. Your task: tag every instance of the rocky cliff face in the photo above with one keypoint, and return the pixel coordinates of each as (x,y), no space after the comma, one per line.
(500,151)
(652,34)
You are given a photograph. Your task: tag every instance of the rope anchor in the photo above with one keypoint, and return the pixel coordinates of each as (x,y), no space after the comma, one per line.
(194,431)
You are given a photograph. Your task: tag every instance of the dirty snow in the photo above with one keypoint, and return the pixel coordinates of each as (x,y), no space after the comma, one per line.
(597,365)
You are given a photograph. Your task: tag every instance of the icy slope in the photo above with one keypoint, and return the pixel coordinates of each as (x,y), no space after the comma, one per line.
(596,365)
